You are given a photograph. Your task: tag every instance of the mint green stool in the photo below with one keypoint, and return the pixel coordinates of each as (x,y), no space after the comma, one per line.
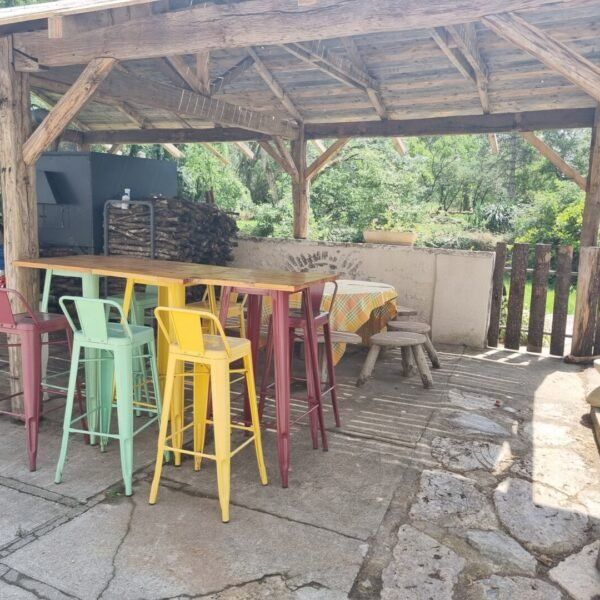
(116,346)
(140,303)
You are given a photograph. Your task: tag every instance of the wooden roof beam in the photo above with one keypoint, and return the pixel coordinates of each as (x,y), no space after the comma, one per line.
(493,139)
(216,153)
(210,26)
(554,54)
(66,108)
(454,125)
(549,153)
(285,153)
(465,37)
(273,85)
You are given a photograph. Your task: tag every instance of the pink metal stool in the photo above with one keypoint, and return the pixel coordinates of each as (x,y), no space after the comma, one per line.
(304,325)
(30,326)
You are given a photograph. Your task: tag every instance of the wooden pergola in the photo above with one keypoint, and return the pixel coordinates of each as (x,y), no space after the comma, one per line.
(282,72)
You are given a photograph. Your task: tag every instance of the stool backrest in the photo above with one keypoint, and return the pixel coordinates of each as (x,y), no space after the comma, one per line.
(93,315)
(7,315)
(317,291)
(185,328)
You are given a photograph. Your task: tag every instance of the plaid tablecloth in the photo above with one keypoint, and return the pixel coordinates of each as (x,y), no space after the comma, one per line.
(362,307)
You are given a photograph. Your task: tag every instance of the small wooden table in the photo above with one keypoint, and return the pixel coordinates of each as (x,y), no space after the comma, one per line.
(172,278)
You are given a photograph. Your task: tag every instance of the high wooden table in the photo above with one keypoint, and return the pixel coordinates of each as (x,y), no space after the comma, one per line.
(172,278)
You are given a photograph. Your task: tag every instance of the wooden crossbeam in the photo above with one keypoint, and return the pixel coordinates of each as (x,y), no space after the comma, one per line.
(273,85)
(493,139)
(465,37)
(67,107)
(400,146)
(186,73)
(210,26)
(457,125)
(322,161)
(442,39)
(319,145)
(547,152)
(554,54)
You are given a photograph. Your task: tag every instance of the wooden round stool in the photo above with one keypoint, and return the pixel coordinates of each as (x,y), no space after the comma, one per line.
(422,328)
(409,343)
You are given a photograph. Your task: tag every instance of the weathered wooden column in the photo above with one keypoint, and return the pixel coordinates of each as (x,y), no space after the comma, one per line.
(300,187)
(17,184)
(591,210)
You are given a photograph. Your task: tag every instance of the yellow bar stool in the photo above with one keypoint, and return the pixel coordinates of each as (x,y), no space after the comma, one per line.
(211,357)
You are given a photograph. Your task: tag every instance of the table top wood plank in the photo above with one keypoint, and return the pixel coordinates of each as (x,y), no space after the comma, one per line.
(162,272)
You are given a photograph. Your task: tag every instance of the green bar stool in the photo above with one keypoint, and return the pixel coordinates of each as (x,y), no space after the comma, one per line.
(117,347)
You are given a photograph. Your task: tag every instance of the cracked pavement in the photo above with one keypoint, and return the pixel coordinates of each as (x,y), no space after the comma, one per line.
(486,486)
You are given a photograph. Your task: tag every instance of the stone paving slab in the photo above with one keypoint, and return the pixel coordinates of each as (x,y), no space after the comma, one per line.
(21,512)
(87,471)
(347,489)
(12,592)
(179,546)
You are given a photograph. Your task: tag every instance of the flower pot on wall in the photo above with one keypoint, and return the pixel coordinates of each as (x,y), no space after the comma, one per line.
(398,238)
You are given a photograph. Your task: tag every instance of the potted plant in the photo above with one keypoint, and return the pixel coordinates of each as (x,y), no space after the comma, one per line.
(394,226)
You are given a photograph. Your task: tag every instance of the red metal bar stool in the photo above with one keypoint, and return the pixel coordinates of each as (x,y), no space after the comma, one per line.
(30,327)
(304,325)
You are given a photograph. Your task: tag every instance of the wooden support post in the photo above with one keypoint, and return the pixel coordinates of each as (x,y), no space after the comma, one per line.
(516,296)
(497,293)
(586,305)
(17,181)
(539,293)
(591,209)
(300,187)
(560,310)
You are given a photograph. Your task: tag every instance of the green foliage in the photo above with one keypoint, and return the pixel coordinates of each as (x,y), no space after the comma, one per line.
(554,216)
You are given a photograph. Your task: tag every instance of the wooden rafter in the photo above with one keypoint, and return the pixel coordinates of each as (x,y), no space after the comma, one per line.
(141,91)
(400,146)
(319,145)
(203,71)
(49,104)
(219,84)
(322,161)
(273,85)
(493,139)
(253,23)
(216,153)
(562,165)
(554,54)
(245,149)
(67,107)
(465,37)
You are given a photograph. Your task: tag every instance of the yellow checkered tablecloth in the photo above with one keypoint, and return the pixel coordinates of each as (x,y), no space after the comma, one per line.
(362,307)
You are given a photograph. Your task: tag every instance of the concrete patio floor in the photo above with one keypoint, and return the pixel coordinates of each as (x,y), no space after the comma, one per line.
(485,487)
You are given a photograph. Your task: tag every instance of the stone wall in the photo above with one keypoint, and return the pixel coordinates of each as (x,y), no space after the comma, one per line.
(451,289)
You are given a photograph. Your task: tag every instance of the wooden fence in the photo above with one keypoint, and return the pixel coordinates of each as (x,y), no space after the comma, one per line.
(518,266)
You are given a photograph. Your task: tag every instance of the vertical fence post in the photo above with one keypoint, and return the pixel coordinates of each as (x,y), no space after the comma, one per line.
(497,290)
(518,275)
(560,310)
(586,305)
(539,294)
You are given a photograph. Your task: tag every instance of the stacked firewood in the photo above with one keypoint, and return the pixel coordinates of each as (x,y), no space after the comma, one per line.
(184,231)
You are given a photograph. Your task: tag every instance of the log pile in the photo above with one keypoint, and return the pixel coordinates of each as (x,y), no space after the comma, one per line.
(184,231)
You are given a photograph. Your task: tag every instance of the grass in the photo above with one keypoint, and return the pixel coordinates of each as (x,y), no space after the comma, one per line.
(549,298)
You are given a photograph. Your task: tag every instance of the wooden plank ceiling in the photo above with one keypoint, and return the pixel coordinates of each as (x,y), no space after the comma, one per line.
(427,73)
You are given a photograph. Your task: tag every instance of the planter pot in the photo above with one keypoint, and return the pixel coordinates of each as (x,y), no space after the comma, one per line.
(399,238)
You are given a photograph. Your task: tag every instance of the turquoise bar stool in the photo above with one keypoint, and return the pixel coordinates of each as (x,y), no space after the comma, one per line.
(117,346)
